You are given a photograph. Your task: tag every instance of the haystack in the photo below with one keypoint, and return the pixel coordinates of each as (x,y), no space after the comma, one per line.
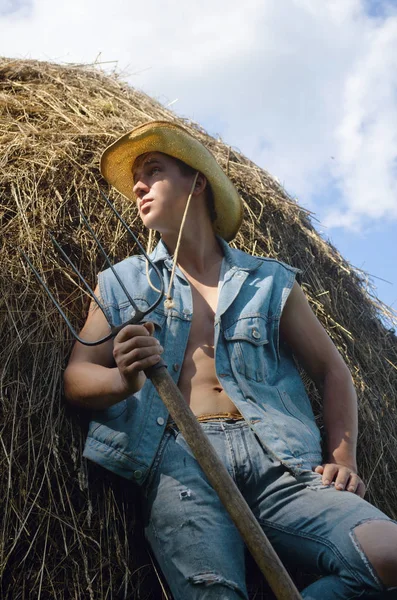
(68,529)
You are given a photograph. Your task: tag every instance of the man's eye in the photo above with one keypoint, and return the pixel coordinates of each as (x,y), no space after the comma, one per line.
(154,170)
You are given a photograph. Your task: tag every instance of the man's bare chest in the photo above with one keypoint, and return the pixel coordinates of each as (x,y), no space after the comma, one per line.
(205,300)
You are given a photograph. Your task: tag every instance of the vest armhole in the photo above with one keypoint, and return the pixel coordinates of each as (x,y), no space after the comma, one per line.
(104,296)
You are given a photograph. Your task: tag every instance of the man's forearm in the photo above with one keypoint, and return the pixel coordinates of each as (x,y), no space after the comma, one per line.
(340,417)
(95,387)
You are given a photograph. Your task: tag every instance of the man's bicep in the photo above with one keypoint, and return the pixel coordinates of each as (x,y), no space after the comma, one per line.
(307,338)
(95,328)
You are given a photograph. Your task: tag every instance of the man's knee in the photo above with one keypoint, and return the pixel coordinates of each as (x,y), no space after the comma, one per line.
(377,540)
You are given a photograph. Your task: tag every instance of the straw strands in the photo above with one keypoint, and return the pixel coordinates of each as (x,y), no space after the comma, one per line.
(68,529)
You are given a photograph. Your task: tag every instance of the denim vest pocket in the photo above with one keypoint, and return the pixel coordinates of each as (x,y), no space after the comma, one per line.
(247,339)
(157,317)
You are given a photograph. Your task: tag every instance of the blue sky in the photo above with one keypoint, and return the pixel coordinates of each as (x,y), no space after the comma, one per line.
(305,88)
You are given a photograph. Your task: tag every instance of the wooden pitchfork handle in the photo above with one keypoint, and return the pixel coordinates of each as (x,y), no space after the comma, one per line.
(228,492)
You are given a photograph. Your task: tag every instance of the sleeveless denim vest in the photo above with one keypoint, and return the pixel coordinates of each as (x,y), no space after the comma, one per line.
(255,370)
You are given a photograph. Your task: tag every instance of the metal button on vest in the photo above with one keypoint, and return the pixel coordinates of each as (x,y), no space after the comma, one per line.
(175,366)
(137,474)
(256,334)
(160,421)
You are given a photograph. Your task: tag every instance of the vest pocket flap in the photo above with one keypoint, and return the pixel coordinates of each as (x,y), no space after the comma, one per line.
(249,329)
(156,317)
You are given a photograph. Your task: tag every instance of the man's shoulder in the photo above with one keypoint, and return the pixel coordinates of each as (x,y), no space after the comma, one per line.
(269,261)
(133,260)
(242,258)
(131,266)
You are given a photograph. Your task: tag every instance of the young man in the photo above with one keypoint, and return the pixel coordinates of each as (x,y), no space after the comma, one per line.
(226,334)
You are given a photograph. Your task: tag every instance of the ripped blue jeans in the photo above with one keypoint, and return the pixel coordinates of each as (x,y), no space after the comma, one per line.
(201,552)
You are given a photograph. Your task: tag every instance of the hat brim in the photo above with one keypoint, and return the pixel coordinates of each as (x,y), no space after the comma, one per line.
(172,139)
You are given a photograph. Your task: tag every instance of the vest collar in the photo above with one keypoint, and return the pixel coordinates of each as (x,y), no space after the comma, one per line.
(236,259)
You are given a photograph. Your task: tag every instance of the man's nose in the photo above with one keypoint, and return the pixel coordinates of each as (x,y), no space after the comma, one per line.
(140,188)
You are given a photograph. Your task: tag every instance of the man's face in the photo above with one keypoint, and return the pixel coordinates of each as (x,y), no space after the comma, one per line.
(161,192)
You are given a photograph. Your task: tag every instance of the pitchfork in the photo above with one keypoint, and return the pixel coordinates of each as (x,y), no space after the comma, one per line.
(217,474)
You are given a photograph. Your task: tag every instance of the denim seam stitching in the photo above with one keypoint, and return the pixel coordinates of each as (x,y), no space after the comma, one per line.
(244,432)
(123,456)
(317,539)
(159,544)
(157,461)
(232,455)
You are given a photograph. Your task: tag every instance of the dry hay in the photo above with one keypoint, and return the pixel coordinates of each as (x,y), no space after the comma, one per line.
(68,529)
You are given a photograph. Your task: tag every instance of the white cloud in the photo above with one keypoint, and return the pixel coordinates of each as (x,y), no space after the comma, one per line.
(367,133)
(307,89)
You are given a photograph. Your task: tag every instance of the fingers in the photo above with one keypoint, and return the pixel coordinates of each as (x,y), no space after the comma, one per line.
(135,343)
(330,471)
(130,331)
(138,362)
(135,349)
(149,326)
(343,477)
(350,481)
(361,489)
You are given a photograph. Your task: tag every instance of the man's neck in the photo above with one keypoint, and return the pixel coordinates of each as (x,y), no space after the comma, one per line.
(197,254)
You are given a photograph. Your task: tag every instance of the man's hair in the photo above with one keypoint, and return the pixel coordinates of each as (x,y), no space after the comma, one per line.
(186,171)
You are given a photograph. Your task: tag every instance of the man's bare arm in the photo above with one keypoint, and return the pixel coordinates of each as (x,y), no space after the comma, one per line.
(309,341)
(99,376)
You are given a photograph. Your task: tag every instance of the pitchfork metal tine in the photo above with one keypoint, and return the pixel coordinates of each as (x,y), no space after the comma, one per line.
(49,294)
(132,234)
(80,276)
(98,243)
(138,316)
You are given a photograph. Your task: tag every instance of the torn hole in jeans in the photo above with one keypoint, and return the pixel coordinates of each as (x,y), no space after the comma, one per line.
(360,550)
(208,578)
(313,481)
(183,494)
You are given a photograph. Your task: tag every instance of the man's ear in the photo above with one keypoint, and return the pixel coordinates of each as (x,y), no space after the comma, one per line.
(201,184)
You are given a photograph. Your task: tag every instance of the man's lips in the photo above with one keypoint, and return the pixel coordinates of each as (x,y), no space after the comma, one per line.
(144,202)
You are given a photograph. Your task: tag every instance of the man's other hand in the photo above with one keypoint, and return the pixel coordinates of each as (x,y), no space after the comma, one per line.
(344,477)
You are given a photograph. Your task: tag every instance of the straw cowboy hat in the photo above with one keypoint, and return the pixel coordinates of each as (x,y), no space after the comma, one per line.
(172,139)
